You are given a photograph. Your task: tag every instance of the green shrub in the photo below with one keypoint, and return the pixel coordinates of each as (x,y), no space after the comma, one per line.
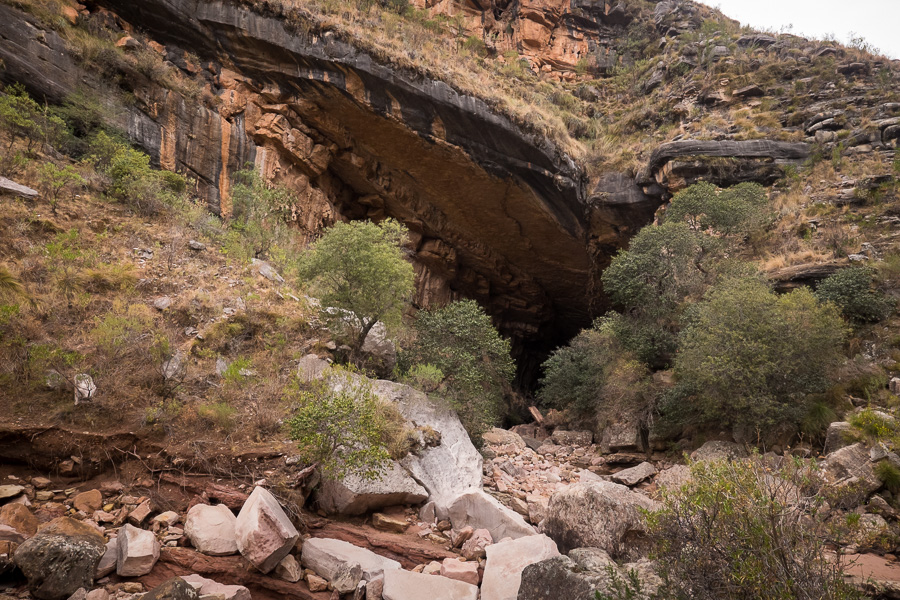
(461,342)
(220,414)
(54,180)
(753,357)
(889,475)
(851,290)
(744,530)
(426,377)
(260,216)
(739,210)
(358,272)
(340,427)
(595,378)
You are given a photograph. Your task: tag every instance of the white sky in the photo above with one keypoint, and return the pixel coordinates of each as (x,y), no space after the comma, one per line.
(878,21)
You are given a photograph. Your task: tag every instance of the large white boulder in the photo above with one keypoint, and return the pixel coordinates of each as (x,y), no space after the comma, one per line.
(263,532)
(354,495)
(138,551)
(479,510)
(507,560)
(596,514)
(406,585)
(211,529)
(329,557)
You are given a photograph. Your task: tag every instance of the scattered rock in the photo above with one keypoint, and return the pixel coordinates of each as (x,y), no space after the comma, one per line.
(211,529)
(389,523)
(482,511)
(84,388)
(10,491)
(60,558)
(717,450)
(354,495)
(327,556)
(849,472)
(263,532)
(837,436)
(17,524)
(506,561)
(501,437)
(598,514)
(572,438)
(162,303)
(750,91)
(210,589)
(573,577)
(195,245)
(633,476)
(265,270)
(173,589)
(673,477)
(406,585)
(109,559)
(138,551)
(88,501)
(475,547)
(7,186)
(289,569)
(140,513)
(466,571)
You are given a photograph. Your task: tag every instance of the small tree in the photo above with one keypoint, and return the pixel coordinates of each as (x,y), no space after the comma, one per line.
(259,213)
(340,427)
(54,180)
(461,343)
(358,268)
(851,290)
(752,357)
(738,210)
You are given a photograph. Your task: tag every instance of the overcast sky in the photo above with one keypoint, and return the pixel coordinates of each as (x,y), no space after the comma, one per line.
(878,21)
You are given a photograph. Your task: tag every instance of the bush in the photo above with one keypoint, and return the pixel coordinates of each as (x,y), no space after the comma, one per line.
(852,292)
(54,180)
(743,530)
(739,210)
(752,357)
(259,215)
(460,341)
(594,377)
(358,268)
(340,427)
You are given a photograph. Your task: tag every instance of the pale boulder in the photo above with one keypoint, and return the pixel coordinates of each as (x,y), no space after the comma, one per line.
(475,546)
(635,475)
(263,531)
(138,551)
(327,557)
(406,585)
(354,495)
(211,529)
(466,571)
(506,561)
(482,511)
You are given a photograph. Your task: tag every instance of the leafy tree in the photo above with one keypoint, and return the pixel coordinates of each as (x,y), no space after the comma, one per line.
(752,357)
(594,377)
(852,292)
(340,427)
(19,115)
(259,213)
(358,269)
(744,530)
(55,179)
(460,342)
(738,210)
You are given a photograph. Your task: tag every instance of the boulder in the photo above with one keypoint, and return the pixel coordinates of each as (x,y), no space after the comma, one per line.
(84,388)
(173,589)
(266,270)
(718,450)
(849,472)
(7,186)
(476,545)
(506,561)
(354,495)
(263,531)
(137,551)
(109,559)
(311,368)
(573,577)
(673,477)
(380,352)
(460,570)
(624,436)
(17,524)
(88,501)
(60,558)
(209,588)
(537,508)
(328,556)
(406,585)
(10,491)
(597,514)
(482,511)
(389,523)
(837,436)
(501,437)
(634,475)
(211,529)
(572,438)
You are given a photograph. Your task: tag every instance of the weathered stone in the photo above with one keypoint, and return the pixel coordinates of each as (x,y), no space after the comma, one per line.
(354,495)
(88,501)
(60,558)
(266,270)
(17,524)
(10,491)
(482,511)
(138,551)
(289,569)
(634,475)
(537,508)
(211,529)
(598,514)
(389,523)
(210,588)
(109,559)
(8,186)
(475,547)
(405,585)
(466,571)
(347,578)
(326,557)
(501,437)
(572,438)
(673,477)
(316,583)
(505,562)
(837,436)
(137,516)
(717,450)
(98,594)
(263,532)
(623,436)
(311,368)
(850,473)
(173,589)
(574,577)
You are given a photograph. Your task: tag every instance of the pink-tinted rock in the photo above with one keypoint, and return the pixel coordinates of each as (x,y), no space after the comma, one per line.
(466,571)
(211,529)
(475,546)
(138,551)
(263,531)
